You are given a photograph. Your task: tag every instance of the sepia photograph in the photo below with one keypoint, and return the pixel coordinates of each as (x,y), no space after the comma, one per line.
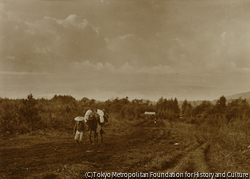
(124,89)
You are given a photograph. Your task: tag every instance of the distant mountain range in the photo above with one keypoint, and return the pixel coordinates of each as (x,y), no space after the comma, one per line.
(239,95)
(230,98)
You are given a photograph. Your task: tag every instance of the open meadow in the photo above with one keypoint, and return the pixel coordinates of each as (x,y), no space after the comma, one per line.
(129,146)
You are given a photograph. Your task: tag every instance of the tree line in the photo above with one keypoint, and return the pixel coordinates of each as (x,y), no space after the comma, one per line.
(25,115)
(235,109)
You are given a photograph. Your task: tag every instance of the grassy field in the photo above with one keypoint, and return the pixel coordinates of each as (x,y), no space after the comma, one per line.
(139,146)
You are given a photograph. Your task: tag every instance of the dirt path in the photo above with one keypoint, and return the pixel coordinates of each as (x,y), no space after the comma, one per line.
(147,147)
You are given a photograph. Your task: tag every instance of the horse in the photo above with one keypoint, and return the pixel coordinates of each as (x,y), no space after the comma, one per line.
(92,125)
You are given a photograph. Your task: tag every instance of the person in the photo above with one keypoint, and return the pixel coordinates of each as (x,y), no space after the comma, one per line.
(86,118)
(103,117)
(78,132)
(100,120)
(106,116)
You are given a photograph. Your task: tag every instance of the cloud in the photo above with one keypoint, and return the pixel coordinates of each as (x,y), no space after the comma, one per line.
(88,66)
(137,51)
(231,50)
(22,73)
(71,21)
(48,41)
(123,37)
(156,70)
(126,68)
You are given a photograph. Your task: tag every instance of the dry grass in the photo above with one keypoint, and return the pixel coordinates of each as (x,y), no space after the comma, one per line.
(228,145)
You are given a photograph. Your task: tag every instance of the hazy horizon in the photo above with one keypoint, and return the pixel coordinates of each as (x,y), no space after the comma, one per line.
(143,49)
(129,98)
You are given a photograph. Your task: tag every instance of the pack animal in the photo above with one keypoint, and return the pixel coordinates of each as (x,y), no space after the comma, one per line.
(92,122)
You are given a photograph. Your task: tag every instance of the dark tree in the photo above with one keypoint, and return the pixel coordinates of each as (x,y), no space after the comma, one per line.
(29,111)
(221,105)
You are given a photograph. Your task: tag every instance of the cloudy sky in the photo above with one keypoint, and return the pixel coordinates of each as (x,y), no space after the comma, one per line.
(143,49)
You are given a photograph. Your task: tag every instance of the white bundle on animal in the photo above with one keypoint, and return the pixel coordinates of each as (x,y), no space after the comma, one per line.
(87,114)
(101,114)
